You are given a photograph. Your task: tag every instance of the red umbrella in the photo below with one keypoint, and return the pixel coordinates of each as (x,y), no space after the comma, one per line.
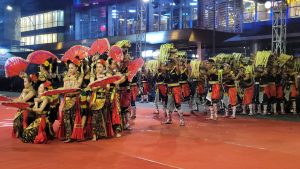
(134,66)
(99,46)
(116,53)
(19,105)
(40,56)
(105,81)
(14,66)
(76,52)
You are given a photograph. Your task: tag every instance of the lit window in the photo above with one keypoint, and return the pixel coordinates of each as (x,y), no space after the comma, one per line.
(42,21)
(42,39)
(54,37)
(249,11)
(263,13)
(294,8)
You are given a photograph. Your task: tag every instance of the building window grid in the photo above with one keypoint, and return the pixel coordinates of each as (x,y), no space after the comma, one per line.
(92,22)
(42,21)
(294,9)
(248,11)
(42,39)
(227,15)
(123,18)
(264,14)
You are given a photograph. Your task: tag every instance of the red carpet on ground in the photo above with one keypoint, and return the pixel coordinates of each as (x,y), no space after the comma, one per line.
(241,143)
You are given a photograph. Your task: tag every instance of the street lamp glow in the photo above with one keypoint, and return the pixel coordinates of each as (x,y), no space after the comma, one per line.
(131,11)
(268,5)
(9,8)
(146,1)
(193,3)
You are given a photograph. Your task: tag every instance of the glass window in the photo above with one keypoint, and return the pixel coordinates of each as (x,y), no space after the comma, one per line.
(60,18)
(263,13)
(22,24)
(29,40)
(131,18)
(226,15)
(221,14)
(176,15)
(27,23)
(54,18)
(122,22)
(249,10)
(156,16)
(49,22)
(207,15)
(50,38)
(91,23)
(294,8)
(42,21)
(42,39)
(54,37)
(165,15)
(60,37)
(193,13)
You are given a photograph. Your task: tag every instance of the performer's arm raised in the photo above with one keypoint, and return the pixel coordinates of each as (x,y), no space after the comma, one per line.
(42,107)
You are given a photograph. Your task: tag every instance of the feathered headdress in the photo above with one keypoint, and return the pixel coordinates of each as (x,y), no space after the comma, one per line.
(165,52)
(262,58)
(152,66)
(195,65)
(123,44)
(283,59)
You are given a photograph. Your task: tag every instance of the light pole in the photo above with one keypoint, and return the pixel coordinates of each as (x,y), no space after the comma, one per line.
(9,8)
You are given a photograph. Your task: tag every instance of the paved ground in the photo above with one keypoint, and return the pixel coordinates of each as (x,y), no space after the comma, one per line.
(10,94)
(234,144)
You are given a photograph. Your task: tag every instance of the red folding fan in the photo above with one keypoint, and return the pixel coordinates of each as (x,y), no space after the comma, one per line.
(19,105)
(116,53)
(61,91)
(4,99)
(105,81)
(15,65)
(99,46)
(40,56)
(134,66)
(76,52)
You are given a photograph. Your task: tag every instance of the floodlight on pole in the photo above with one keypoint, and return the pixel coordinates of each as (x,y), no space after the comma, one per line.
(268,5)
(145,1)
(9,8)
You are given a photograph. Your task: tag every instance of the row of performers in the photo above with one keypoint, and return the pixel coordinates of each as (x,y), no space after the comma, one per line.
(91,113)
(262,92)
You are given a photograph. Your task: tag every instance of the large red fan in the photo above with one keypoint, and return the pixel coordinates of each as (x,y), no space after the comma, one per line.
(99,46)
(60,91)
(134,66)
(40,56)
(105,81)
(4,99)
(116,53)
(76,52)
(14,66)
(19,105)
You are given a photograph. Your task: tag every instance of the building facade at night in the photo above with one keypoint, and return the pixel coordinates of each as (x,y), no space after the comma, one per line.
(240,25)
